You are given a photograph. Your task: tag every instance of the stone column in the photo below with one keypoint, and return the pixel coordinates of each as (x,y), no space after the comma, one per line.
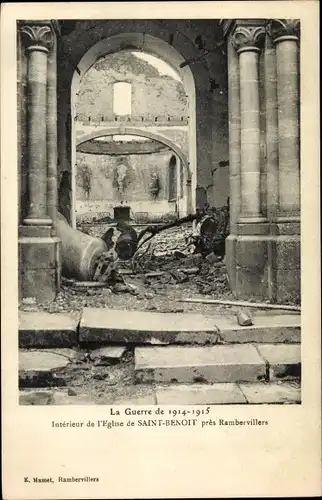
(285,35)
(234,135)
(38,39)
(246,42)
(271,129)
(52,189)
(39,249)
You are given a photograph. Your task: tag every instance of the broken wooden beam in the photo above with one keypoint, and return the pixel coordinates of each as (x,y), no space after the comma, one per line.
(260,305)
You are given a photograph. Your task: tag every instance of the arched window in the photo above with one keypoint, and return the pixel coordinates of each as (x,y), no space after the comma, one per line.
(122,98)
(173,178)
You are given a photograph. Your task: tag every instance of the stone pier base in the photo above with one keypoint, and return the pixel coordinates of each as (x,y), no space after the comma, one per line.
(39,267)
(264,267)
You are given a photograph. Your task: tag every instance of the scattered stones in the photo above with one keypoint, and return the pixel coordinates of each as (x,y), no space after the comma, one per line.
(179,276)
(179,255)
(121,288)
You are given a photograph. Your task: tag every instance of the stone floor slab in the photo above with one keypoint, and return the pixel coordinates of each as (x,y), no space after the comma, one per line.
(200,394)
(41,329)
(42,368)
(272,393)
(284,361)
(147,400)
(230,363)
(110,325)
(277,328)
(63,398)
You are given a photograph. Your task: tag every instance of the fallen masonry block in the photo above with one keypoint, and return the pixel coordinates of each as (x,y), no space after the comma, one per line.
(189,270)
(43,368)
(230,363)
(270,393)
(107,355)
(200,394)
(284,361)
(119,326)
(41,329)
(244,319)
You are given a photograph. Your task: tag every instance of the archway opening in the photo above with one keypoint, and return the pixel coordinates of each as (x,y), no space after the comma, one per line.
(158,103)
(133,177)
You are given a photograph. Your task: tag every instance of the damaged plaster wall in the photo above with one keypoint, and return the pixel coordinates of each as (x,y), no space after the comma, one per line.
(154,96)
(104,182)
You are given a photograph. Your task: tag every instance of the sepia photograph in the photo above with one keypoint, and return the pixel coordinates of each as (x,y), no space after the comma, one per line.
(159,211)
(161,292)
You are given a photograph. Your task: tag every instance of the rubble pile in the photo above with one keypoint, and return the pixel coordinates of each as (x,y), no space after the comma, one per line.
(174,260)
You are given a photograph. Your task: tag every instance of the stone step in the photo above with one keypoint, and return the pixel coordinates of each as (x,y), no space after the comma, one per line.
(119,326)
(44,368)
(193,394)
(284,361)
(142,327)
(266,328)
(217,364)
(221,394)
(211,364)
(200,394)
(41,329)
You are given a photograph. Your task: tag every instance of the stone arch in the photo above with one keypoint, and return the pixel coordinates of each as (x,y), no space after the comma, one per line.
(119,130)
(159,48)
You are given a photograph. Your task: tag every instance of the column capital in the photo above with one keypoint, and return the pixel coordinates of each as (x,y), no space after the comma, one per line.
(284,29)
(37,35)
(248,38)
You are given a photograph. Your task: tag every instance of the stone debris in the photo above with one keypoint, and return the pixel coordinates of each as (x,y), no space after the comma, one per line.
(244,319)
(191,270)
(212,258)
